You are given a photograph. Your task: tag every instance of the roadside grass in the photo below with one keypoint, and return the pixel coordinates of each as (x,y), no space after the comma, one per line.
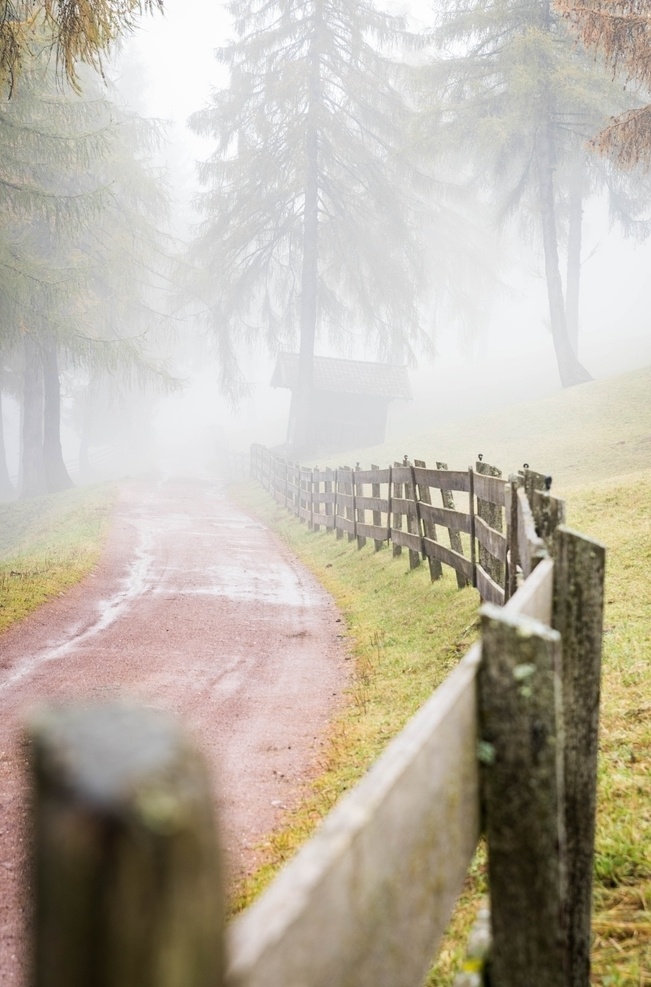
(406,634)
(47,544)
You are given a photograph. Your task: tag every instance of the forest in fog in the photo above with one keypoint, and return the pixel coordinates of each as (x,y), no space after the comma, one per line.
(365,182)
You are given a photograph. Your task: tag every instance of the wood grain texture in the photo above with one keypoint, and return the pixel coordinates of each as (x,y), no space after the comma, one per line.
(127,870)
(522,759)
(578,615)
(366,901)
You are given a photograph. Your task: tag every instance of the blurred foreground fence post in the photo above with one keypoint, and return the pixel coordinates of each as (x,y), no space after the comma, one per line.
(126,863)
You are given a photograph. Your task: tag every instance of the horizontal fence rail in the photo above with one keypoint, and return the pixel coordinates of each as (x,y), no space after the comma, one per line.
(506,746)
(493,542)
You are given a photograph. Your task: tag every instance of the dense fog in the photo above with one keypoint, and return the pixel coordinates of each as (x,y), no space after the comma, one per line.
(335,185)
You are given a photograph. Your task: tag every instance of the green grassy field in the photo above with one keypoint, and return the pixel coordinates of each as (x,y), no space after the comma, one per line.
(595,440)
(47,544)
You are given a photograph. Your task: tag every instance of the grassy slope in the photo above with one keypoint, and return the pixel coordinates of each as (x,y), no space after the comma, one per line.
(595,440)
(47,544)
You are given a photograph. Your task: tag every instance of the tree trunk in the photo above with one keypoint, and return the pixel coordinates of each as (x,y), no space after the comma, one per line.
(570,370)
(56,475)
(33,468)
(6,486)
(574,252)
(301,406)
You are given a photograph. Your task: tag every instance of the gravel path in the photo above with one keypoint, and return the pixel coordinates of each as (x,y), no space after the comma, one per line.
(197,609)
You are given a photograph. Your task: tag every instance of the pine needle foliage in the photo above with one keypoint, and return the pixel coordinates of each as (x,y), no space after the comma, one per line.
(621,32)
(311,217)
(80,31)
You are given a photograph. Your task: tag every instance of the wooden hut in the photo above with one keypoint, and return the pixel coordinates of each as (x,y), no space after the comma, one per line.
(350,400)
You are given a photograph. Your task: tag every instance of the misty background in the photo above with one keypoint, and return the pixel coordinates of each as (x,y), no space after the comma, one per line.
(498,351)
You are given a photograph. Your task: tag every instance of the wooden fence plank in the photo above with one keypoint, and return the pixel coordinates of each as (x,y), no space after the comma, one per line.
(520,748)
(360,513)
(534,597)
(489,590)
(447,500)
(376,531)
(495,544)
(490,514)
(491,487)
(428,526)
(366,901)
(531,548)
(406,539)
(444,479)
(126,865)
(395,494)
(413,519)
(457,562)
(578,615)
(382,505)
(451,519)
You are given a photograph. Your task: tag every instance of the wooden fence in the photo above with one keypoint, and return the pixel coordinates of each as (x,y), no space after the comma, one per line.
(127,870)
(502,540)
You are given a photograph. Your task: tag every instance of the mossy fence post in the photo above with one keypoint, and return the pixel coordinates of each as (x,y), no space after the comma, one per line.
(377,515)
(396,517)
(126,868)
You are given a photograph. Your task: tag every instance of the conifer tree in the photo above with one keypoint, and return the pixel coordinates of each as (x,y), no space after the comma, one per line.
(79,31)
(621,31)
(310,218)
(78,237)
(516,99)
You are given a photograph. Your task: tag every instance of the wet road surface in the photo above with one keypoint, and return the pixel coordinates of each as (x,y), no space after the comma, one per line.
(197,609)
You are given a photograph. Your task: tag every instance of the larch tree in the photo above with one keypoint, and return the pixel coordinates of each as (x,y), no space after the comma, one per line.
(78,240)
(310,223)
(79,31)
(514,99)
(621,31)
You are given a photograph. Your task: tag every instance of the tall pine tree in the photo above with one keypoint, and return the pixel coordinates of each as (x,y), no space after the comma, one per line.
(311,223)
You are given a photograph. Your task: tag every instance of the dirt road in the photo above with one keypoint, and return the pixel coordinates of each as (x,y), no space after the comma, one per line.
(197,609)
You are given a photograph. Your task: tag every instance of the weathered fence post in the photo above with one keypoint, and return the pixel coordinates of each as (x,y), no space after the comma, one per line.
(447,499)
(512,559)
(126,871)
(471,512)
(396,519)
(579,567)
(327,486)
(492,515)
(520,751)
(548,513)
(339,530)
(377,515)
(429,528)
(413,523)
(359,512)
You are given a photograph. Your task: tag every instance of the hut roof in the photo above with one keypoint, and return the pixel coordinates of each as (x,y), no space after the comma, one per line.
(345,376)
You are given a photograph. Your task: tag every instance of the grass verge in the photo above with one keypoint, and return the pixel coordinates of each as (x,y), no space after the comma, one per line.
(47,544)
(406,634)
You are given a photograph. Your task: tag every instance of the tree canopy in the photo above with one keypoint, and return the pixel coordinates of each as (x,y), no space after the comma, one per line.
(621,31)
(80,30)
(310,218)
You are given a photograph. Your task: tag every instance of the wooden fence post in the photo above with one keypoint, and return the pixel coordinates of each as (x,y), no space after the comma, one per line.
(328,489)
(359,512)
(413,523)
(579,566)
(312,525)
(340,531)
(377,515)
(429,528)
(512,559)
(492,515)
(548,513)
(447,499)
(520,751)
(350,490)
(126,871)
(471,512)
(396,519)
